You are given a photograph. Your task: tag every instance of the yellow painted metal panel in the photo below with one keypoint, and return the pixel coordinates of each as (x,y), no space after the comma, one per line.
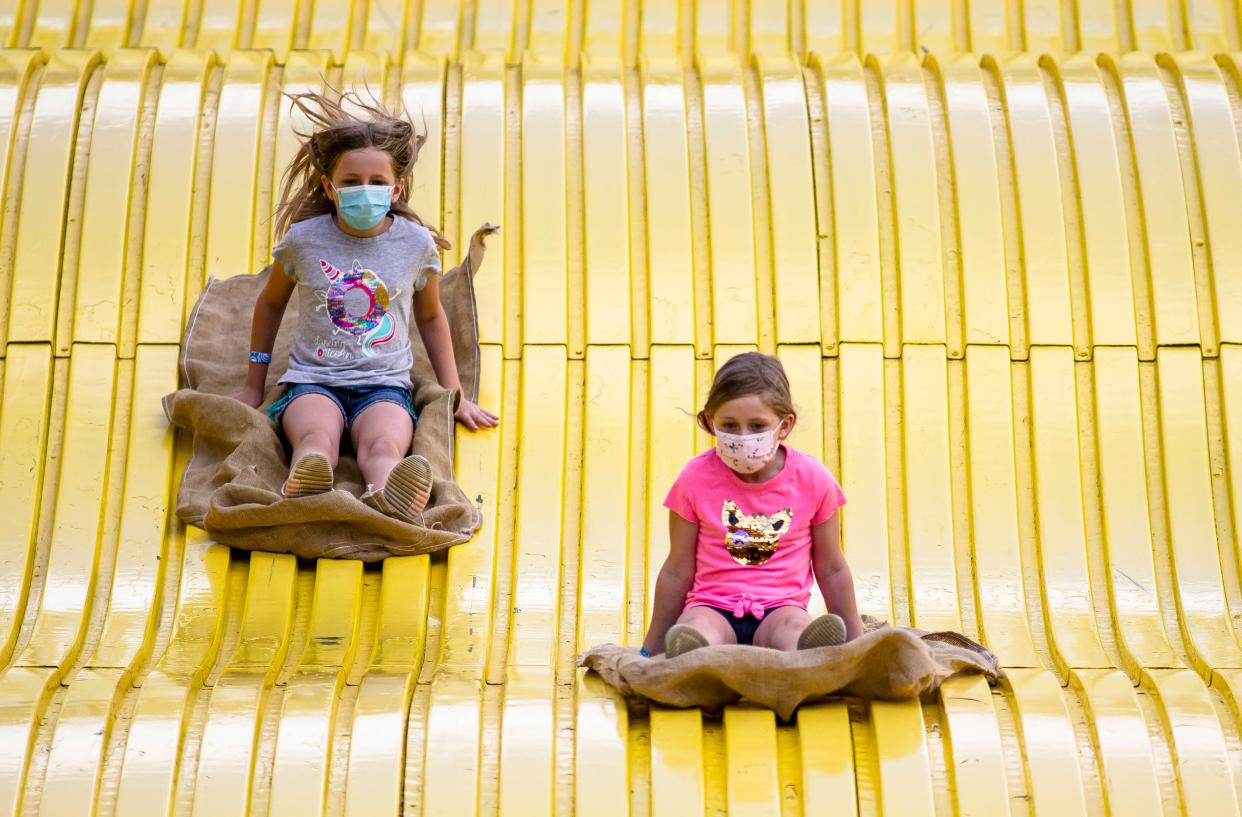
(1098,26)
(373,784)
(170,194)
(303,753)
(400,635)
(545,262)
(1231,409)
(148,775)
(666,161)
(1120,448)
(34,285)
(1153,26)
(1000,594)
(527,742)
(1044,26)
(367,72)
(677,778)
(715,28)
(331,27)
(1101,204)
(234,166)
(1045,263)
(604,29)
(220,24)
(483,160)
(1205,778)
(864,476)
(880,29)
(441,27)
(603,553)
(24,695)
(916,210)
(276,23)
(103,245)
(163,25)
(660,30)
(929,529)
(1215,142)
(824,30)
(805,369)
(973,750)
(17,68)
(24,406)
(451,771)
(825,749)
(671,444)
(1053,774)
(540,505)
(791,200)
(129,625)
(1208,26)
(55,24)
(422,93)
(730,206)
(976,177)
(470,580)
(224,779)
(72,782)
(1119,732)
(992,30)
(1068,601)
(769,24)
(855,206)
(550,29)
(384,27)
(77,529)
(606,202)
(304,71)
(1203,612)
(902,766)
(601,768)
(1153,142)
(752,782)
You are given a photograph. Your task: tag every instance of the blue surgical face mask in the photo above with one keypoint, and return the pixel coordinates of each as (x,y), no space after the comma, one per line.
(362,206)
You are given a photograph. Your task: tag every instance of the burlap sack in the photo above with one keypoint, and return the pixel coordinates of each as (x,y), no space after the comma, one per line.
(885,663)
(231,486)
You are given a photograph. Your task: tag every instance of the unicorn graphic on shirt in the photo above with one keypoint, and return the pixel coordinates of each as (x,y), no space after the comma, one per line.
(348,292)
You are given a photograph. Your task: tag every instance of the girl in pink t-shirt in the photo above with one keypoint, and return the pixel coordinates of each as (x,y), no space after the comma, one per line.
(751,524)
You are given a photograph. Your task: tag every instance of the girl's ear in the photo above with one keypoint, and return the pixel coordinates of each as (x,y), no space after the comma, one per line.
(396,191)
(328,189)
(787,426)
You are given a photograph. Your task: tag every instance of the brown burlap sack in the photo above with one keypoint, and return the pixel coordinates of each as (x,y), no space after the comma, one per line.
(885,663)
(231,486)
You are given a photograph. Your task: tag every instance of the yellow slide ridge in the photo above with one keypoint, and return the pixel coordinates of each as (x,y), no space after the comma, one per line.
(997,246)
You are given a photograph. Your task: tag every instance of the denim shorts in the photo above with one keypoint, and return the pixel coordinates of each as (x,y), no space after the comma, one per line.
(351,400)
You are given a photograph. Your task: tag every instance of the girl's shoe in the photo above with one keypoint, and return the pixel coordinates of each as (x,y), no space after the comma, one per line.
(406,493)
(826,631)
(310,475)
(682,638)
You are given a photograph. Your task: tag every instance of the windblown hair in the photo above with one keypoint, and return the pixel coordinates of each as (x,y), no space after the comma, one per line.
(337,127)
(745,374)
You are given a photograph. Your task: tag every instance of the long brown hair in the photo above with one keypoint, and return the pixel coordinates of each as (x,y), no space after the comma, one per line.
(749,373)
(336,131)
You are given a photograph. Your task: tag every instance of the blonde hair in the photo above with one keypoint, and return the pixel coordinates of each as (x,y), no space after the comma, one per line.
(746,374)
(334,132)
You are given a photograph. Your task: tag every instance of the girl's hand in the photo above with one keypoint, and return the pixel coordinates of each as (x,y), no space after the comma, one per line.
(249,396)
(474,418)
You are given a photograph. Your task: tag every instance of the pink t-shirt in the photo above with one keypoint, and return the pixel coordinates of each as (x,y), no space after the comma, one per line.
(754,547)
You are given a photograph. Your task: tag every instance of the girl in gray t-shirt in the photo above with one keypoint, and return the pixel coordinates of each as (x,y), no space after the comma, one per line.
(363,264)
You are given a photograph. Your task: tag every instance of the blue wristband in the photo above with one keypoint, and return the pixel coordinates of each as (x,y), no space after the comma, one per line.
(643,652)
(260,357)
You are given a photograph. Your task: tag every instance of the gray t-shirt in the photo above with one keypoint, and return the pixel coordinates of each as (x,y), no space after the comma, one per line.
(355,296)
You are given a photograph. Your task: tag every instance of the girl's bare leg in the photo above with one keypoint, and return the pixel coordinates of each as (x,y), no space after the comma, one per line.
(714,626)
(313,424)
(381,436)
(781,627)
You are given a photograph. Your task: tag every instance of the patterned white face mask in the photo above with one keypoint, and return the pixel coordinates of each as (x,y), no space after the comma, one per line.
(747,453)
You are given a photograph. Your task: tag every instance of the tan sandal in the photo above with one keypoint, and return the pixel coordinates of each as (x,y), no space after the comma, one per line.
(682,638)
(310,475)
(826,631)
(407,491)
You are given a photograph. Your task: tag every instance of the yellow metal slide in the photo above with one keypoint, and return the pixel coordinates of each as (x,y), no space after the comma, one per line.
(997,245)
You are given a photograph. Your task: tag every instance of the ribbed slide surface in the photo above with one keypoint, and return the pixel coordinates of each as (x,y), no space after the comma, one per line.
(998,246)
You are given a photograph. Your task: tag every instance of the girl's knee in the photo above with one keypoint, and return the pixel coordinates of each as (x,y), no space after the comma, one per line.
(381,447)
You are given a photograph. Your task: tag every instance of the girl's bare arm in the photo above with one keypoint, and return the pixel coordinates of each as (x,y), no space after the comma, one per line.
(674,581)
(834,577)
(269,309)
(433,326)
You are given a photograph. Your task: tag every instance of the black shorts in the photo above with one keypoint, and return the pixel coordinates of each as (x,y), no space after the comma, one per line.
(746,626)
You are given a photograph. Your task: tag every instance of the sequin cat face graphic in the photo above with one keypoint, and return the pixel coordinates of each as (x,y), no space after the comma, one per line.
(753,538)
(357,301)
